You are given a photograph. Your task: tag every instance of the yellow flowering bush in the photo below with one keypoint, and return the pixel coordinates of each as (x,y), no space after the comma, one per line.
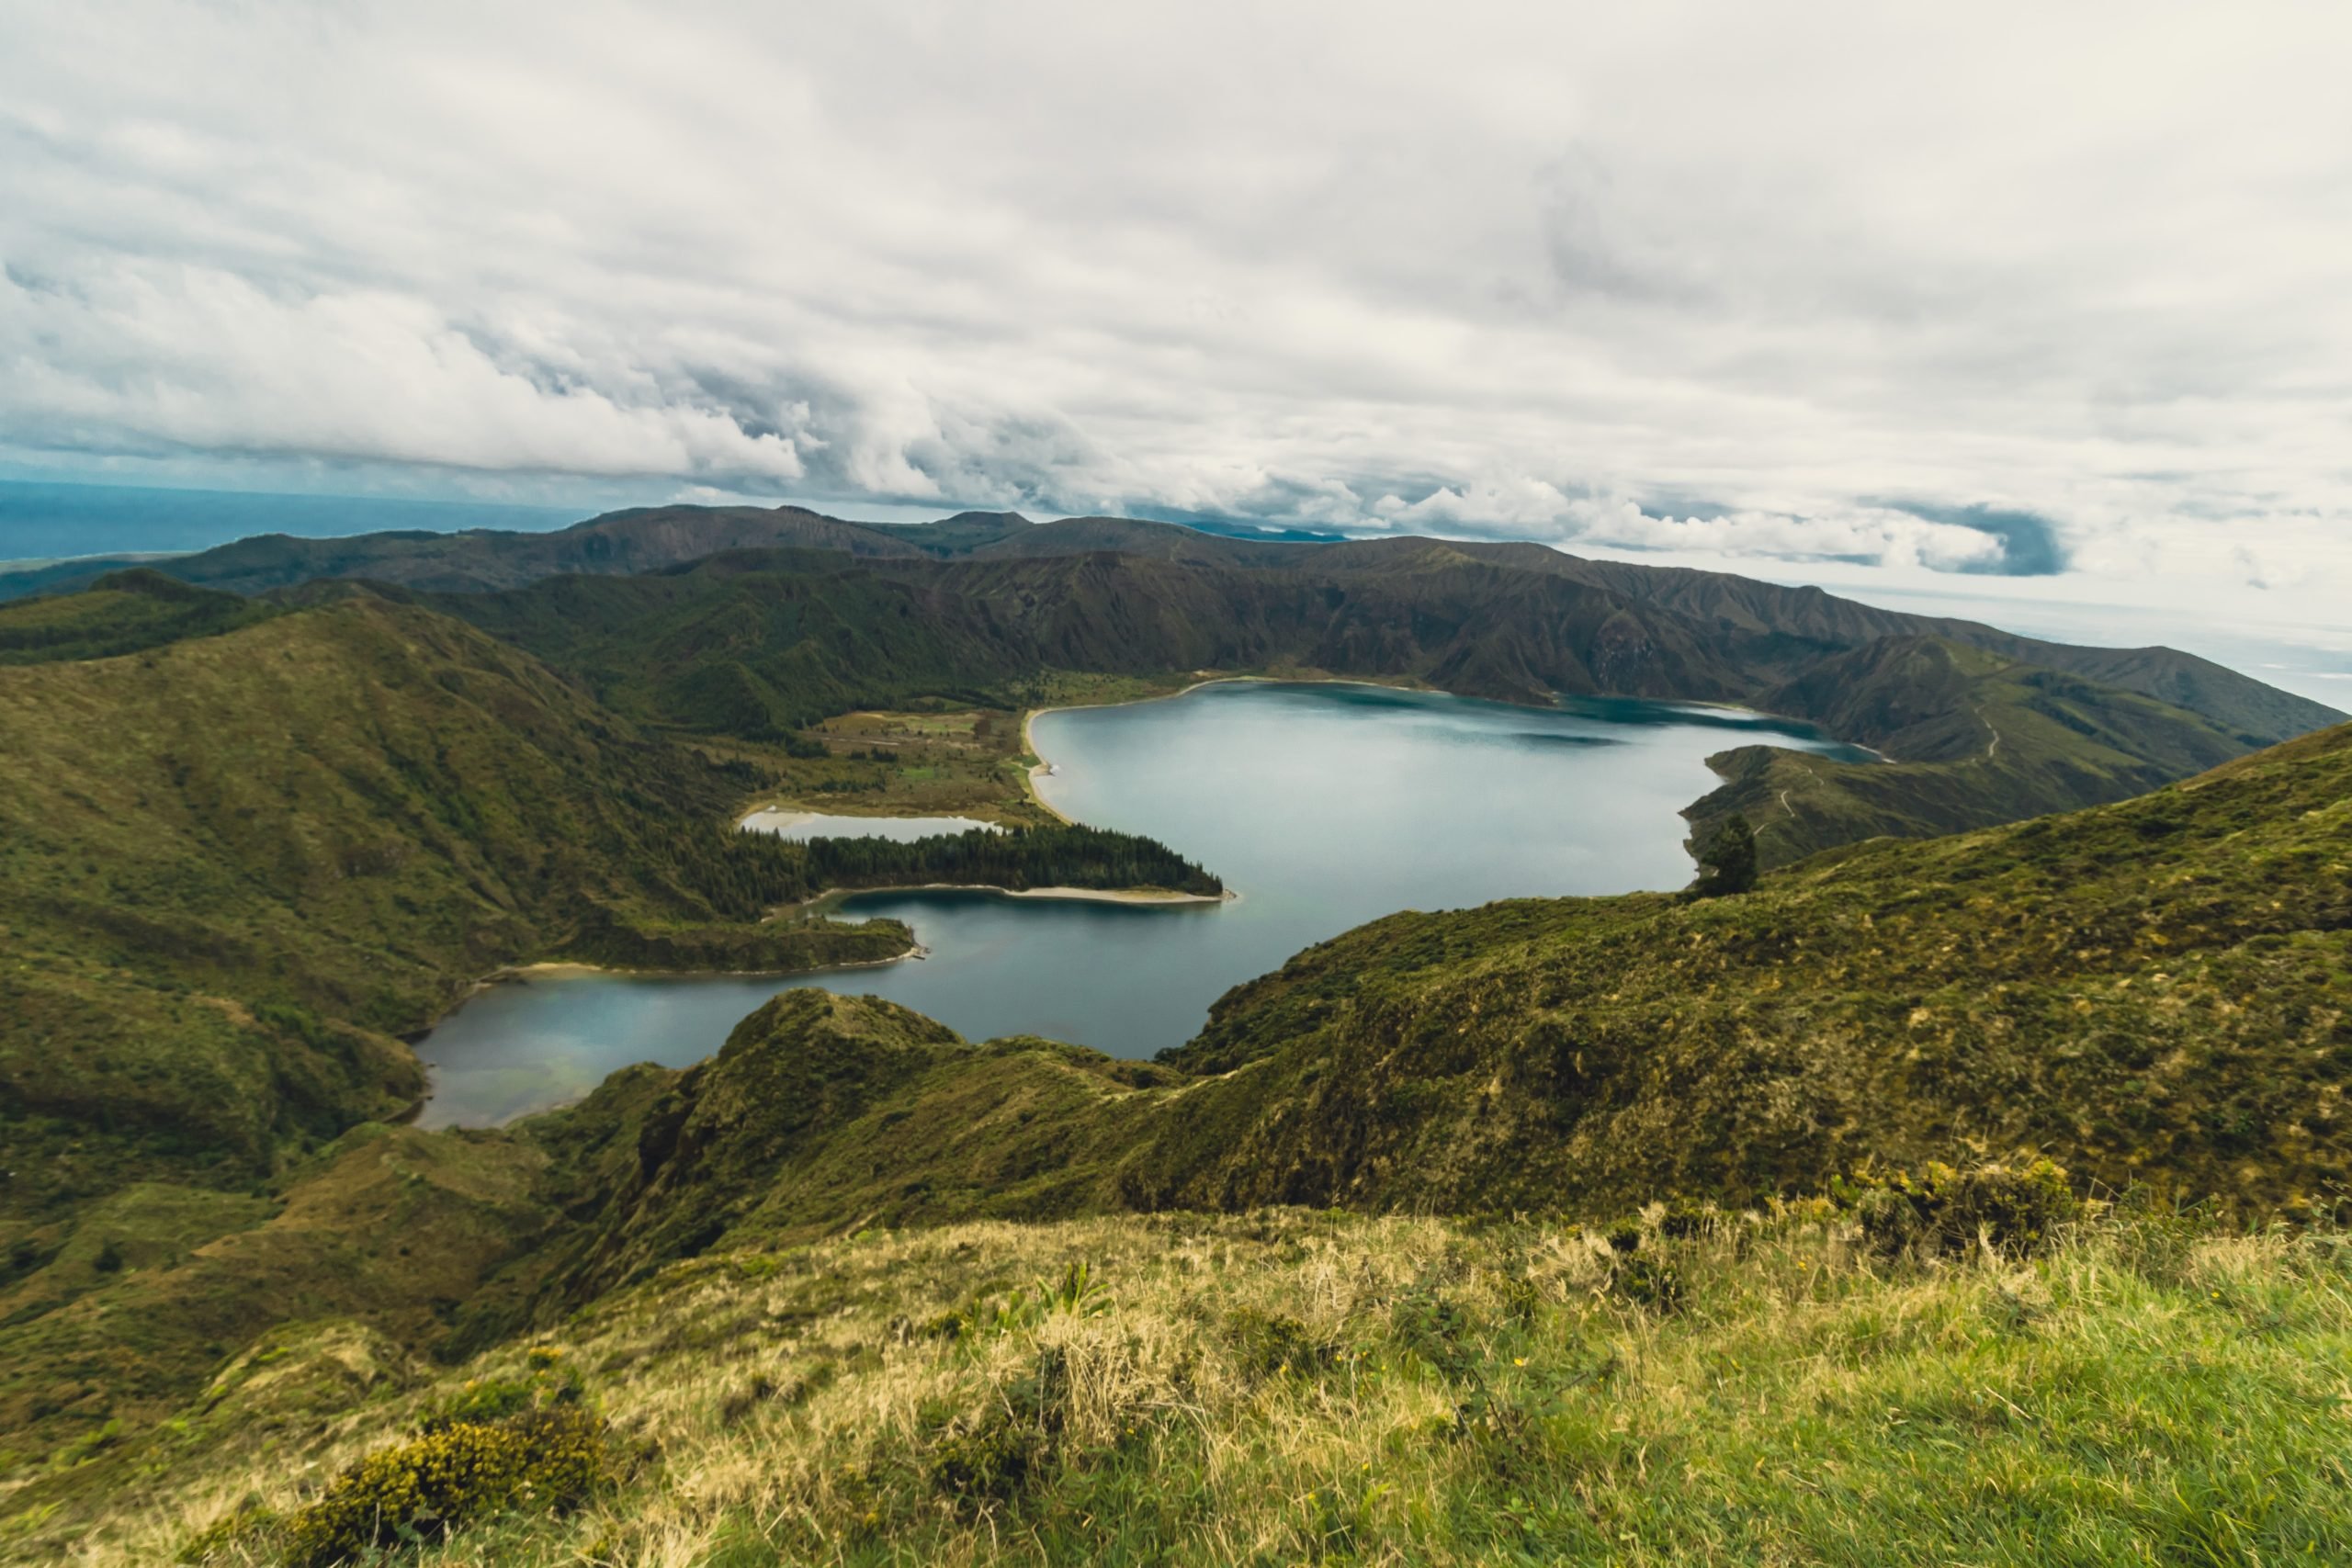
(1944,1210)
(549,1458)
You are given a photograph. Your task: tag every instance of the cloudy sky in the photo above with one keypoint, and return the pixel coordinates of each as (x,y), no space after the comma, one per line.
(2034,299)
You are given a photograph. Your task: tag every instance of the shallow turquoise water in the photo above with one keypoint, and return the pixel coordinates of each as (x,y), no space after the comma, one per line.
(1322,805)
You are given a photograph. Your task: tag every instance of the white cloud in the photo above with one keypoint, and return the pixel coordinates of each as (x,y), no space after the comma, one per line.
(1712,280)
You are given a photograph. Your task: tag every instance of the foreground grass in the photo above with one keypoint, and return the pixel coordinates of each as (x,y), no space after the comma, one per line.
(1287,1387)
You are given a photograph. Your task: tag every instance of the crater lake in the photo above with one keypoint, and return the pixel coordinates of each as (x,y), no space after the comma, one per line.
(1322,805)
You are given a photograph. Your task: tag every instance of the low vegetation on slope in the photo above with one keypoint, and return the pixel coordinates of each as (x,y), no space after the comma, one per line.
(121,613)
(239,865)
(1974,739)
(1285,1387)
(2159,994)
(2158,990)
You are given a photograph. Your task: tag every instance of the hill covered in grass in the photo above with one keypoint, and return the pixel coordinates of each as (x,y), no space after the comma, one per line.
(1283,1387)
(1767,631)
(2155,993)
(239,865)
(121,613)
(242,865)
(1974,738)
(754,623)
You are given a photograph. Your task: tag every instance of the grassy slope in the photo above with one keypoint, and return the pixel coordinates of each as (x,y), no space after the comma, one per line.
(393,1227)
(1769,632)
(121,613)
(1284,1387)
(798,617)
(2159,990)
(642,539)
(2156,990)
(1975,739)
(239,864)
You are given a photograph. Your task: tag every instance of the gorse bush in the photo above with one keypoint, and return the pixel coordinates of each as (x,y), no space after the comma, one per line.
(547,1459)
(1944,1211)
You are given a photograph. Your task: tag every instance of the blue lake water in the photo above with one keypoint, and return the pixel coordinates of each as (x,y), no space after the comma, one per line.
(1322,807)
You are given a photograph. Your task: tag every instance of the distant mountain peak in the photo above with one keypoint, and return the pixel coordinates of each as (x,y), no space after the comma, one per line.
(1005,519)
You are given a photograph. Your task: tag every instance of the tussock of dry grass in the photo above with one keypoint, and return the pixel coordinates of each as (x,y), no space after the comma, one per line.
(1287,1387)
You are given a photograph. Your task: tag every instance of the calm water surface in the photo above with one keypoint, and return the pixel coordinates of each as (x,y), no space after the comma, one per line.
(1323,806)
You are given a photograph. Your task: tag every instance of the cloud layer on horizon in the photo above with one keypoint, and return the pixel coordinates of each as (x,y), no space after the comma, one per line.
(2005,290)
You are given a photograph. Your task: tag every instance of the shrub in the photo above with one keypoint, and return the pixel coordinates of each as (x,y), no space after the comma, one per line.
(480,1400)
(1647,1282)
(549,1459)
(1684,1219)
(995,1454)
(1430,1324)
(1943,1212)
(1272,1344)
(1727,864)
(247,1533)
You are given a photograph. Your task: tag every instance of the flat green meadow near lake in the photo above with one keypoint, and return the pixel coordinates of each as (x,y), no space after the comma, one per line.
(1322,805)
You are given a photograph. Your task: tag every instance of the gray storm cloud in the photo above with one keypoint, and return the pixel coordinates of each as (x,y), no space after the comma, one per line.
(2068,283)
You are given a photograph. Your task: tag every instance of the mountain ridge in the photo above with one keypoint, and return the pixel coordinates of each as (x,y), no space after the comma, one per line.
(1775,624)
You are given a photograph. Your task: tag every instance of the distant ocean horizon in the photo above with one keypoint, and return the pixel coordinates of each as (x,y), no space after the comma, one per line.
(44,520)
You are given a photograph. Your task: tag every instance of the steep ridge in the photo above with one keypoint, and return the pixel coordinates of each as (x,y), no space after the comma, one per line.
(1974,738)
(121,613)
(1801,617)
(645,539)
(1766,632)
(238,864)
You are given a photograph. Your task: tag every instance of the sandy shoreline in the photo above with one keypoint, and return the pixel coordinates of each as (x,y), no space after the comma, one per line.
(1083,895)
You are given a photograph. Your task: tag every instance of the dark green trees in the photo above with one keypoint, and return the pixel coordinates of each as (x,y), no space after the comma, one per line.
(1727,864)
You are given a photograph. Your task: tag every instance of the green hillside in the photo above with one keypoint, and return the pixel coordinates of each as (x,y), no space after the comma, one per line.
(854,1288)
(239,865)
(756,624)
(2154,992)
(1974,738)
(1547,1230)
(1768,633)
(121,613)
(1287,1387)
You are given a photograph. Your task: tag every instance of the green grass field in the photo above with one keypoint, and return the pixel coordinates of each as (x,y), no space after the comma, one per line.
(1287,1387)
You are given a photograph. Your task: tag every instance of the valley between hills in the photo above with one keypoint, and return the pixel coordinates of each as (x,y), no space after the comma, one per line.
(1965,1191)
